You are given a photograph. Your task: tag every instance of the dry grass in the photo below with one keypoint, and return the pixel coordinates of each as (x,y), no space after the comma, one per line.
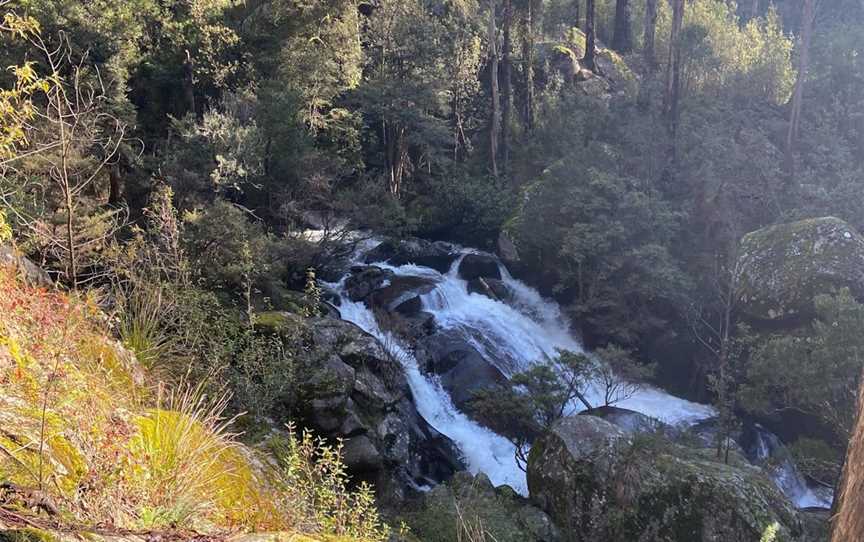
(82,423)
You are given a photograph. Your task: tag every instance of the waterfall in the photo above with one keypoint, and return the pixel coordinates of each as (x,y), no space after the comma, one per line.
(483,450)
(512,336)
(768,452)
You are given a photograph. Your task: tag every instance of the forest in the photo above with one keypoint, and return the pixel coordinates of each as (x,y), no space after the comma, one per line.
(432,270)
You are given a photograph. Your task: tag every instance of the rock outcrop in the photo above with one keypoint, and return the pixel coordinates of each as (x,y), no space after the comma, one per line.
(598,483)
(358,392)
(29,271)
(782,268)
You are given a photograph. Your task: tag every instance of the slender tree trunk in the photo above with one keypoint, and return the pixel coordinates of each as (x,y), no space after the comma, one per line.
(847,524)
(115,185)
(622,40)
(528,67)
(649,33)
(577,14)
(189,82)
(495,121)
(754,9)
(798,93)
(673,68)
(507,104)
(590,38)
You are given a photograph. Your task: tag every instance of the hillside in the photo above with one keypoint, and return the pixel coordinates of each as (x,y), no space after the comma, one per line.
(92,443)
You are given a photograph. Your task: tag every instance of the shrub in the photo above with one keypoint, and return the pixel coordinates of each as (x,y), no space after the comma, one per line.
(312,483)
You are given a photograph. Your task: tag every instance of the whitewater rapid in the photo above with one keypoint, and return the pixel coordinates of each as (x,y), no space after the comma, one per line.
(512,336)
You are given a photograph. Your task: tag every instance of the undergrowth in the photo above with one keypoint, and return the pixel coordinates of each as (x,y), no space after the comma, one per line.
(84,423)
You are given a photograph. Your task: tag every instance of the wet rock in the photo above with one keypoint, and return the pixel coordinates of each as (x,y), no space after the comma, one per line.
(782,268)
(492,288)
(463,370)
(474,266)
(365,280)
(398,290)
(593,479)
(437,255)
(410,307)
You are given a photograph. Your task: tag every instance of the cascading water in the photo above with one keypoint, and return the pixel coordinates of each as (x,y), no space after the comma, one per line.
(511,336)
(767,451)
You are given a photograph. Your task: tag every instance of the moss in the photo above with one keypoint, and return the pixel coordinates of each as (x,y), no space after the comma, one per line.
(651,485)
(276,322)
(782,268)
(28,534)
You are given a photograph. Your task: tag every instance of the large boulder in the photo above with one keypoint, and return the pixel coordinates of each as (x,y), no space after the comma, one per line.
(472,501)
(398,290)
(364,280)
(437,255)
(29,271)
(357,391)
(491,288)
(782,268)
(475,266)
(463,370)
(598,483)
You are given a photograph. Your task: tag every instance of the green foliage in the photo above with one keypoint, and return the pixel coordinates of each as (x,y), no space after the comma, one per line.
(533,400)
(606,236)
(726,59)
(469,509)
(222,242)
(314,485)
(816,374)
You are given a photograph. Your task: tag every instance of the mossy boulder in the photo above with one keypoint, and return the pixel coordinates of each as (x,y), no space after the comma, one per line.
(782,268)
(468,503)
(598,483)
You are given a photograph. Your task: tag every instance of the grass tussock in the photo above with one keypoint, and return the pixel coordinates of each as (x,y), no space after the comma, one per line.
(83,423)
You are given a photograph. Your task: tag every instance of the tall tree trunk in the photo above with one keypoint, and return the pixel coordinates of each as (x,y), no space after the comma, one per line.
(577,14)
(507,105)
(847,524)
(649,33)
(189,83)
(528,66)
(622,40)
(798,93)
(115,184)
(673,68)
(754,9)
(590,38)
(495,121)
